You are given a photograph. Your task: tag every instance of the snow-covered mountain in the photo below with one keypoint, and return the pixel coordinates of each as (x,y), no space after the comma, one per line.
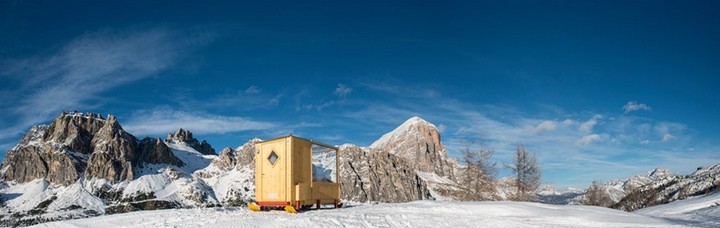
(552,195)
(85,165)
(667,188)
(418,142)
(658,186)
(612,191)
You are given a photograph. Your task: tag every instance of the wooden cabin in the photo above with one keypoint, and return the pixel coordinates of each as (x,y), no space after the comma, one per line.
(288,173)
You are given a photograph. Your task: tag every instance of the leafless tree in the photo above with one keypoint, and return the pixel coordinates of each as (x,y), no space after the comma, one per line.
(527,174)
(596,195)
(478,175)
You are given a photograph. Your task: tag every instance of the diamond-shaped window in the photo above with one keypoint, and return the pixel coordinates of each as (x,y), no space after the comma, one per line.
(272,158)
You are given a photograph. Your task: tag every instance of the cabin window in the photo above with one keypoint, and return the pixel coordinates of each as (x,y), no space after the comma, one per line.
(272,158)
(324,164)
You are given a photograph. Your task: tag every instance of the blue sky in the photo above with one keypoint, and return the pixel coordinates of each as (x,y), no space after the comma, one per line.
(597,89)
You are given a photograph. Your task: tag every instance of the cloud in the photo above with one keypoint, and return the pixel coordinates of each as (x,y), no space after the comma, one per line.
(252,90)
(74,76)
(545,126)
(162,121)
(587,126)
(644,142)
(441,128)
(635,106)
(585,140)
(342,91)
(667,137)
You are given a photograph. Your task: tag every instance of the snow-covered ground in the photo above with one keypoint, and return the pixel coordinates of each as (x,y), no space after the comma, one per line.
(703,211)
(412,214)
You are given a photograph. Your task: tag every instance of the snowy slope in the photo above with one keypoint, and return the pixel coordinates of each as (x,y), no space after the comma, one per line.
(171,183)
(193,159)
(413,214)
(697,211)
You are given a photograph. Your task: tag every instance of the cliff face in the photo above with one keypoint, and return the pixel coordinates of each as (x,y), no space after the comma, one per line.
(58,153)
(114,151)
(379,176)
(418,142)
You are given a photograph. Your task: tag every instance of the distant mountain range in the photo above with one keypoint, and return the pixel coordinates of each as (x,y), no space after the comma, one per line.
(86,165)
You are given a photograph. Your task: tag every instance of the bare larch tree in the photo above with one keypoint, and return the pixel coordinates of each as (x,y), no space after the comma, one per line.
(527,174)
(478,176)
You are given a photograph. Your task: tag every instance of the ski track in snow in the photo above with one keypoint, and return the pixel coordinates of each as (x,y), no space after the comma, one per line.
(412,214)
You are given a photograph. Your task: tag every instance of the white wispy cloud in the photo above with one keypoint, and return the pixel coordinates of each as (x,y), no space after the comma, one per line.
(252,90)
(342,91)
(667,137)
(635,106)
(585,140)
(164,120)
(74,76)
(587,126)
(547,125)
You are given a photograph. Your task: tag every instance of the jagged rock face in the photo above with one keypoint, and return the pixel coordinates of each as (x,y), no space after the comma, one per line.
(242,158)
(155,151)
(186,136)
(28,163)
(373,175)
(246,155)
(418,142)
(75,130)
(113,153)
(57,153)
(226,160)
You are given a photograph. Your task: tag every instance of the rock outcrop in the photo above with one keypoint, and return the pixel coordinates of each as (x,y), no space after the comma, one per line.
(155,151)
(186,136)
(114,150)
(58,153)
(418,142)
(378,176)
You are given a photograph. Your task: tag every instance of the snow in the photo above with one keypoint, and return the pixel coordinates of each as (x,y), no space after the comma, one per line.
(76,195)
(193,159)
(234,181)
(436,182)
(24,197)
(407,128)
(412,214)
(698,211)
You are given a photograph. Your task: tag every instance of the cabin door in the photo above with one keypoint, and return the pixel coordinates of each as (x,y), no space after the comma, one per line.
(274,169)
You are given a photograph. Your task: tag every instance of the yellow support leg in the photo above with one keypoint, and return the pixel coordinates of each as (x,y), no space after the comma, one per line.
(290,209)
(253,207)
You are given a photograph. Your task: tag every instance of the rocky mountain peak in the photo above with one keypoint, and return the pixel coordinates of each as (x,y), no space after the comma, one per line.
(75,130)
(659,173)
(185,136)
(417,141)
(114,150)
